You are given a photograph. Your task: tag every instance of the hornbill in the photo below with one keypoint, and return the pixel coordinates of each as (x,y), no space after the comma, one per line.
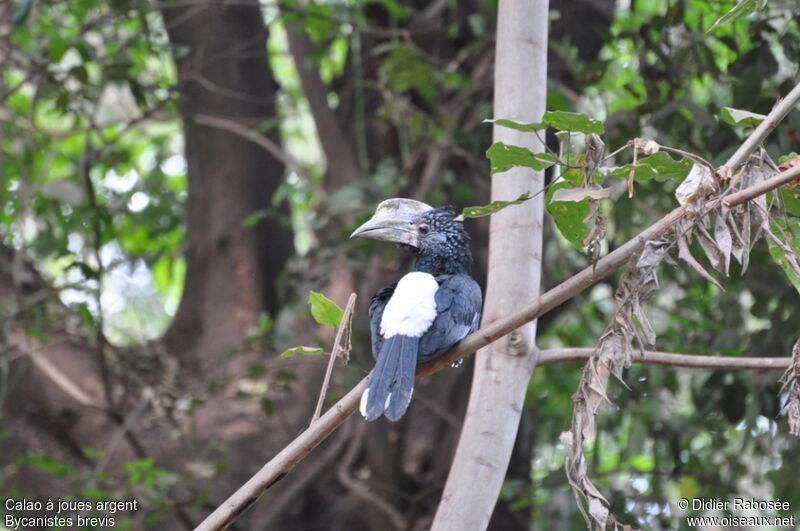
(427,311)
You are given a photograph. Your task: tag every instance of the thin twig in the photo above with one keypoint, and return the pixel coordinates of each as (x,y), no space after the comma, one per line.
(613,154)
(97,247)
(690,361)
(64,382)
(125,427)
(691,156)
(344,328)
(240,129)
(776,115)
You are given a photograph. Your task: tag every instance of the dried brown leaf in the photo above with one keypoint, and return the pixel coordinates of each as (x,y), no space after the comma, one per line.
(759,213)
(710,248)
(793,410)
(791,380)
(696,187)
(743,220)
(652,254)
(722,235)
(595,149)
(724,174)
(737,242)
(686,255)
(598,512)
(644,323)
(644,146)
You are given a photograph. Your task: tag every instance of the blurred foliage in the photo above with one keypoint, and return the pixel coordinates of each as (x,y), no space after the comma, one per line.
(94,187)
(665,75)
(94,177)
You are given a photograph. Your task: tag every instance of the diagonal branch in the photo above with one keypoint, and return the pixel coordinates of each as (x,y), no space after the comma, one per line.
(239,129)
(339,154)
(776,115)
(292,454)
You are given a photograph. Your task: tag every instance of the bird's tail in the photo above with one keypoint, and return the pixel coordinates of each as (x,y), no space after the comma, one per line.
(392,382)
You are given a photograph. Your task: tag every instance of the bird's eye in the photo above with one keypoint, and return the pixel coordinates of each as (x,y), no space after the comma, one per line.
(424,229)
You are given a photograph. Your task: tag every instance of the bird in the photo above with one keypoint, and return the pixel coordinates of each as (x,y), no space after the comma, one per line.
(426,312)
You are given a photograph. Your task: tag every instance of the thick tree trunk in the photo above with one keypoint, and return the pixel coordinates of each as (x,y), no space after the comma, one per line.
(232,270)
(503,369)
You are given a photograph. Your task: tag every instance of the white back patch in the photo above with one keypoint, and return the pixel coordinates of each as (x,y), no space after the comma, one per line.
(412,307)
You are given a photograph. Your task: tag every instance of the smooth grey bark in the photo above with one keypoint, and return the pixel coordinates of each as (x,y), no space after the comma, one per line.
(503,369)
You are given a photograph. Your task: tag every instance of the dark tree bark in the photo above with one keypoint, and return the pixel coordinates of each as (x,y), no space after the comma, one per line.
(232,270)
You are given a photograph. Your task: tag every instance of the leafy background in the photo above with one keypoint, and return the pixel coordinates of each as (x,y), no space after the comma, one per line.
(93,222)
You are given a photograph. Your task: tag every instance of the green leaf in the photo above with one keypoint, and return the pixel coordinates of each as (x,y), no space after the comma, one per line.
(93,453)
(406,69)
(569,216)
(740,118)
(144,472)
(268,406)
(57,48)
(87,318)
(689,487)
(491,208)
(47,464)
(575,175)
(80,73)
(325,311)
(788,230)
(162,272)
(561,120)
(264,323)
(503,157)
(305,351)
(572,121)
(791,200)
(740,10)
(252,219)
(518,126)
(659,166)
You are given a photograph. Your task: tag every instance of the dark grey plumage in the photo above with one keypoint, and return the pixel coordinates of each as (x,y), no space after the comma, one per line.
(442,248)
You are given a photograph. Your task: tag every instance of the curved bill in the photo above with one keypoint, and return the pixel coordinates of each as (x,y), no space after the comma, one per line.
(392,221)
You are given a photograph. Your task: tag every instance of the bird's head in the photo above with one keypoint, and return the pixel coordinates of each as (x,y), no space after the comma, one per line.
(441,242)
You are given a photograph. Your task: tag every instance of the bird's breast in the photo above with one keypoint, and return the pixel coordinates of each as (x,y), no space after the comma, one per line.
(412,307)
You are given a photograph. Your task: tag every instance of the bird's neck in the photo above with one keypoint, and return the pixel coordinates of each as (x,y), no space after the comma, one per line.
(443,263)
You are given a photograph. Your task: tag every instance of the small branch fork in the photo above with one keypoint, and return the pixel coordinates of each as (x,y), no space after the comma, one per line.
(301,446)
(338,351)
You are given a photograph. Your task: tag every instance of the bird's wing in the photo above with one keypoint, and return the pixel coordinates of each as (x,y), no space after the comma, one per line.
(458,308)
(376,307)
